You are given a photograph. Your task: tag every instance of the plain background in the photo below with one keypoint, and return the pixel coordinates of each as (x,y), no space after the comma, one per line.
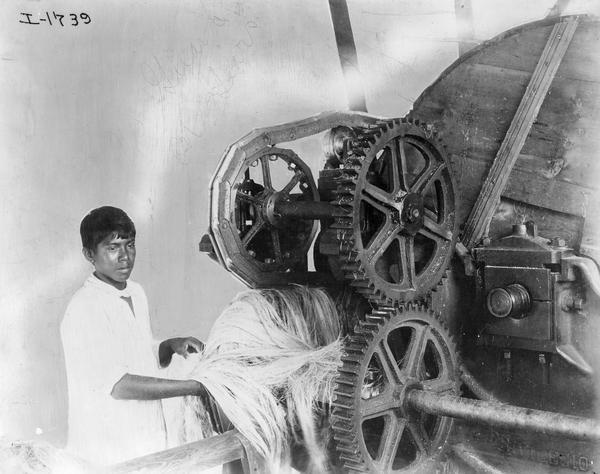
(135,110)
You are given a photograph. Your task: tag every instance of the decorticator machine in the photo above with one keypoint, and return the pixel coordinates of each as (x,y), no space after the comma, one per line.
(461,242)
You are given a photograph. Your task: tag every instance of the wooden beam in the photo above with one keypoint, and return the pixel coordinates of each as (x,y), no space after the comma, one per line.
(344,38)
(558,8)
(204,454)
(481,215)
(465,30)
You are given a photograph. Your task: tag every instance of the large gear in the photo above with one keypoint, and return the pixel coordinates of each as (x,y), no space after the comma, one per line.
(397,239)
(391,352)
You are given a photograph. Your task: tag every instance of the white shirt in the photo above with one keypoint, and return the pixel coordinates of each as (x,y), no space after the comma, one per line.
(103,340)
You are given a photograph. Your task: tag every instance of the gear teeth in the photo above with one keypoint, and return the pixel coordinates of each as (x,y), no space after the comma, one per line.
(354,359)
(345,222)
(342,212)
(354,339)
(345,235)
(360,143)
(349,448)
(341,402)
(377,320)
(345,380)
(340,225)
(355,349)
(343,427)
(351,267)
(366,334)
(346,418)
(348,176)
(346,249)
(345,450)
(381,313)
(347,392)
(353,161)
(342,417)
(360,151)
(368,326)
(363,291)
(349,463)
(356,344)
(347,189)
(343,200)
(348,371)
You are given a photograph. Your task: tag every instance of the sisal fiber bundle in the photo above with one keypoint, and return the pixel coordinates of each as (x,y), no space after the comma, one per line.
(39,457)
(269,363)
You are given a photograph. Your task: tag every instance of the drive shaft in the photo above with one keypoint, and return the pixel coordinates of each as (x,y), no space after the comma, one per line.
(505,416)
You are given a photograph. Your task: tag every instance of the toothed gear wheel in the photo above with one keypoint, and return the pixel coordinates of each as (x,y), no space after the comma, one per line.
(392,351)
(397,238)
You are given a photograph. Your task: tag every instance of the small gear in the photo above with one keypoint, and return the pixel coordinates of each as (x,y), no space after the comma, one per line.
(391,352)
(264,238)
(397,239)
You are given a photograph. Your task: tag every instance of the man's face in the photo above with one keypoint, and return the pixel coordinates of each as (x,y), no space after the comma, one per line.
(113,260)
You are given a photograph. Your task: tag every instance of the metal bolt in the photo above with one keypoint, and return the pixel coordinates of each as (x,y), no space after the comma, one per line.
(269,260)
(578,303)
(508,373)
(252,253)
(545,363)
(572,303)
(557,242)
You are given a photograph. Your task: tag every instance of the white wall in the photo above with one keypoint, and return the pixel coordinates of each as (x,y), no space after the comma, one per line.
(135,110)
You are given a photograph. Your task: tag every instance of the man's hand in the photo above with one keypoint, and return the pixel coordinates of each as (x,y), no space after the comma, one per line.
(184,346)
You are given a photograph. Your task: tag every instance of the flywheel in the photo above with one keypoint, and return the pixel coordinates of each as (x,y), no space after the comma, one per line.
(397,240)
(391,352)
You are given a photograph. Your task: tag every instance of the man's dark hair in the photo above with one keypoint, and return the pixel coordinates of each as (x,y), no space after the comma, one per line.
(103,222)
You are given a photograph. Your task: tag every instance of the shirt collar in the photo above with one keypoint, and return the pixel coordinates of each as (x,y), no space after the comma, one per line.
(95,282)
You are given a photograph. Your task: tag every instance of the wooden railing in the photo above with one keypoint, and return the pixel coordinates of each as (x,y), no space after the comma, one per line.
(230,449)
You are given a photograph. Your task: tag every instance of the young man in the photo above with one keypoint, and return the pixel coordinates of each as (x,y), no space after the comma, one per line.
(113,375)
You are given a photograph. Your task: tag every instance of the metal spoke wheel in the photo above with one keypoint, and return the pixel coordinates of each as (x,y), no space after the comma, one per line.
(392,352)
(403,227)
(272,241)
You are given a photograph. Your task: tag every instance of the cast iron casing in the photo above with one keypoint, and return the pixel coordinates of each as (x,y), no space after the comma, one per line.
(525,261)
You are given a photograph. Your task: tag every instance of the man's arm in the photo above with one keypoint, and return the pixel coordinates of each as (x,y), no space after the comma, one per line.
(139,387)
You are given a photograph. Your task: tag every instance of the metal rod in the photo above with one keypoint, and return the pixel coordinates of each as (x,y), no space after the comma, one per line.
(505,416)
(305,209)
(474,460)
(475,386)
